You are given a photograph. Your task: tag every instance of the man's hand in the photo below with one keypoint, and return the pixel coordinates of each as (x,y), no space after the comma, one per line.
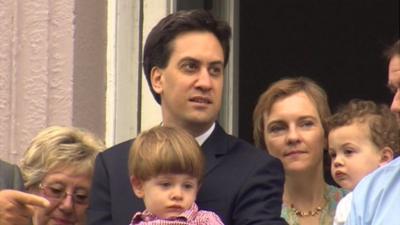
(16,207)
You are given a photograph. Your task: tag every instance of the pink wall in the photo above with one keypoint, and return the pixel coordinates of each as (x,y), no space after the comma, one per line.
(52,69)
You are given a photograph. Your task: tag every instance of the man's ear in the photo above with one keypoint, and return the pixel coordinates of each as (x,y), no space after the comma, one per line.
(156,79)
(137,187)
(386,155)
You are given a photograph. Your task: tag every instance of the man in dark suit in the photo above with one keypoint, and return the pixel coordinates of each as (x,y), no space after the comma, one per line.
(184,59)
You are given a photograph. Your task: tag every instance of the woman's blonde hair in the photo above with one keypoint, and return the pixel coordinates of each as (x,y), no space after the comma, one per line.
(59,147)
(282,89)
(163,150)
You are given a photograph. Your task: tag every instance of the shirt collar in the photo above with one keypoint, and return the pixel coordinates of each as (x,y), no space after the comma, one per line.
(203,137)
(148,216)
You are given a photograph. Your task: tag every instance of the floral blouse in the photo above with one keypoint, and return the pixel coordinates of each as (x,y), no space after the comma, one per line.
(333,196)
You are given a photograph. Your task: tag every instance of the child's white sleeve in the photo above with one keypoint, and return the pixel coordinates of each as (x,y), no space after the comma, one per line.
(343,210)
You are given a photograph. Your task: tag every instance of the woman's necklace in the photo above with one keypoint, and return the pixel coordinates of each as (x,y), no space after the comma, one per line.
(299,213)
(313,212)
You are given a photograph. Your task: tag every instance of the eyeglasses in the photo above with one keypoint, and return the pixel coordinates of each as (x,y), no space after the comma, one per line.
(59,193)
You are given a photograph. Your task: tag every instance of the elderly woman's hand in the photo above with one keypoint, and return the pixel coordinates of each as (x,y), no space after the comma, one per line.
(16,207)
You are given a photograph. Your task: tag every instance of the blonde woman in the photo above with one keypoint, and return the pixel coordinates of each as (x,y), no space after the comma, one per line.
(58,165)
(289,122)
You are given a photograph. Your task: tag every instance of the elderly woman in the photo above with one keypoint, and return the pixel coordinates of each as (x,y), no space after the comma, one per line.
(289,122)
(58,165)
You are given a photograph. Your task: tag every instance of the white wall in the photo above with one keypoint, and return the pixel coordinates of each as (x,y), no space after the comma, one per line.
(130,106)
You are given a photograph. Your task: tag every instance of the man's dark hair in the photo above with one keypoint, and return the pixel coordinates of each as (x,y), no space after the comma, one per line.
(157,49)
(393,50)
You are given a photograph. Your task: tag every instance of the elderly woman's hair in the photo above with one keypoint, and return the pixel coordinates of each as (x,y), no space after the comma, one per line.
(382,123)
(59,147)
(165,150)
(282,89)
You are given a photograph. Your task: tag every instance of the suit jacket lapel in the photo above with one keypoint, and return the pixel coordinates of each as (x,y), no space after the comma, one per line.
(215,147)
